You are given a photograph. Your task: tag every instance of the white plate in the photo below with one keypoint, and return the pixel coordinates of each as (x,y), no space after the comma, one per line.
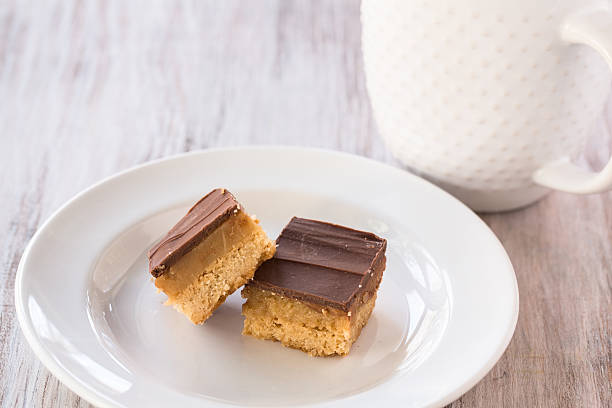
(446,309)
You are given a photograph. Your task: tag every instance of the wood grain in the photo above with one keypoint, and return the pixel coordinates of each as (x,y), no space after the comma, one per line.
(90,88)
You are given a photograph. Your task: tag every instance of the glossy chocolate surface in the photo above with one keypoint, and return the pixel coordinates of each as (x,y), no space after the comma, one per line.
(323,263)
(199,222)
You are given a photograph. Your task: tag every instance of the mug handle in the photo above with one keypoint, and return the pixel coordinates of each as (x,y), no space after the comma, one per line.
(594,29)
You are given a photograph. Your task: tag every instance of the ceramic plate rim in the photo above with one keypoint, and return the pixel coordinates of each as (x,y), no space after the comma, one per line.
(64,375)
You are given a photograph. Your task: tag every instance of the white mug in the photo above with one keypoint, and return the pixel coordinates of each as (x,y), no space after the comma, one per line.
(491,99)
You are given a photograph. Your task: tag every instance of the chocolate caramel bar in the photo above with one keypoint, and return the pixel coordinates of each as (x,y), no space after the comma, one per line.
(212,251)
(319,289)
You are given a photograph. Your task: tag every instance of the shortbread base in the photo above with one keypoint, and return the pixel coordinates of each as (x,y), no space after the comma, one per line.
(316,330)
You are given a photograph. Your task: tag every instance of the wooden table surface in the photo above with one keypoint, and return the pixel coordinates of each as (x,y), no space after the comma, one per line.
(90,88)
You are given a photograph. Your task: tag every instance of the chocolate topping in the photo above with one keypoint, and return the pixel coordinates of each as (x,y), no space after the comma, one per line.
(323,263)
(199,222)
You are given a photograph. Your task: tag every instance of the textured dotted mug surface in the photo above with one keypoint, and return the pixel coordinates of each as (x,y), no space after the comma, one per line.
(478,95)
